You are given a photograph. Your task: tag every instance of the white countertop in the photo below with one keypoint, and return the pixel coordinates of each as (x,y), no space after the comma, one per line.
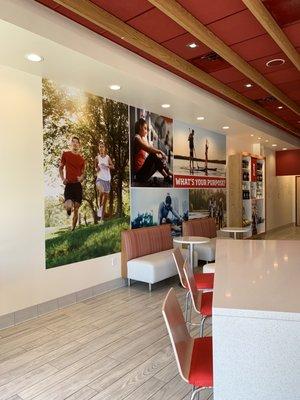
(257,278)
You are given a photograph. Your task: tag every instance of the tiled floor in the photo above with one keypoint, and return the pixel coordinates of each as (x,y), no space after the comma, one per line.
(111,347)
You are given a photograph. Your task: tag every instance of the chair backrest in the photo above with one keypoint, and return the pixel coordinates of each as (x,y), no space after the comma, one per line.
(181,340)
(191,283)
(179,262)
(205,227)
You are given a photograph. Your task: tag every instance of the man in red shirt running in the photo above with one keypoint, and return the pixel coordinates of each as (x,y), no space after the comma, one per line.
(71,171)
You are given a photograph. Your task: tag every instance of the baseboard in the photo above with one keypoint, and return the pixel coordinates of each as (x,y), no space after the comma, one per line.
(17,317)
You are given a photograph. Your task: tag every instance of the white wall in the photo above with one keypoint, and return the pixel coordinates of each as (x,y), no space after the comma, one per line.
(24,281)
(280,195)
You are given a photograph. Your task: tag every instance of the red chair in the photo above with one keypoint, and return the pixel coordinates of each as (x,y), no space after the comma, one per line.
(203,281)
(202,302)
(193,356)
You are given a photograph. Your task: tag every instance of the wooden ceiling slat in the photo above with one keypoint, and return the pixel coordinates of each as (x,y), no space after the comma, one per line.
(267,21)
(120,29)
(192,25)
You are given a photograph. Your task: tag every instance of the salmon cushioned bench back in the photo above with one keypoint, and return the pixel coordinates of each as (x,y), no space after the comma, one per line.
(143,241)
(205,227)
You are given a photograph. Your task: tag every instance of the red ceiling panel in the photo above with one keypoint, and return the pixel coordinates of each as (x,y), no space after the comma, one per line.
(156,25)
(208,11)
(228,75)
(257,47)
(254,93)
(124,9)
(179,46)
(211,62)
(237,27)
(260,64)
(291,89)
(284,11)
(285,75)
(77,18)
(287,114)
(293,33)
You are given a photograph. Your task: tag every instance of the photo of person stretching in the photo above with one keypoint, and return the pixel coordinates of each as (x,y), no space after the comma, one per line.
(103,166)
(71,171)
(147,160)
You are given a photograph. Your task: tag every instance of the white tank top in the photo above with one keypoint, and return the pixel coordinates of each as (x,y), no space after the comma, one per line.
(104,172)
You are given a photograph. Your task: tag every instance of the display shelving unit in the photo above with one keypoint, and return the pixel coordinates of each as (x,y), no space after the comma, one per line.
(246,192)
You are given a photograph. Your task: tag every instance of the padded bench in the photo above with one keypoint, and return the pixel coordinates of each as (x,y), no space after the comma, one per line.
(147,254)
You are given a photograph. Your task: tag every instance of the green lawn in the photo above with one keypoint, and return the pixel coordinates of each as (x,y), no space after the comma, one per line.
(86,242)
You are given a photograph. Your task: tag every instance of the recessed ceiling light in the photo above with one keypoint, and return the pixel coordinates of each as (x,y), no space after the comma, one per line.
(252,134)
(274,144)
(34,57)
(248,85)
(280,107)
(200,118)
(275,62)
(115,87)
(192,45)
(165,105)
(284,148)
(266,140)
(259,138)
(225,127)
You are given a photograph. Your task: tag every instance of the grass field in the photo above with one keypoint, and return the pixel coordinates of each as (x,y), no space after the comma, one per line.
(86,242)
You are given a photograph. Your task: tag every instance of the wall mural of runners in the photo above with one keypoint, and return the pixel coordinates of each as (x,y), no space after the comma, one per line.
(199,157)
(86,170)
(151,144)
(95,149)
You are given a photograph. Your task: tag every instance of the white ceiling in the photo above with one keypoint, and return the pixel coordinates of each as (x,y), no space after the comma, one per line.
(76,56)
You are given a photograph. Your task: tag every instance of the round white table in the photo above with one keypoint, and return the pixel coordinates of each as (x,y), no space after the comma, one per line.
(235,230)
(190,241)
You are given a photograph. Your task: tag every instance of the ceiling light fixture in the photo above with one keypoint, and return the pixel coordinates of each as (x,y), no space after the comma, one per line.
(252,134)
(275,62)
(248,85)
(200,118)
(259,138)
(115,87)
(274,145)
(192,45)
(284,148)
(165,105)
(266,140)
(34,57)
(280,107)
(225,127)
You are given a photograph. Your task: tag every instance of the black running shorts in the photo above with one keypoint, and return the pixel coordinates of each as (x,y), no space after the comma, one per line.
(73,191)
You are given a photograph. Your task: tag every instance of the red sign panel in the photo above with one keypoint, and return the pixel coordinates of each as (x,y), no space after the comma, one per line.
(197,182)
(253,169)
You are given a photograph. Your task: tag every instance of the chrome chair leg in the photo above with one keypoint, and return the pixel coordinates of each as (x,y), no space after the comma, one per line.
(128,282)
(202,325)
(186,309)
